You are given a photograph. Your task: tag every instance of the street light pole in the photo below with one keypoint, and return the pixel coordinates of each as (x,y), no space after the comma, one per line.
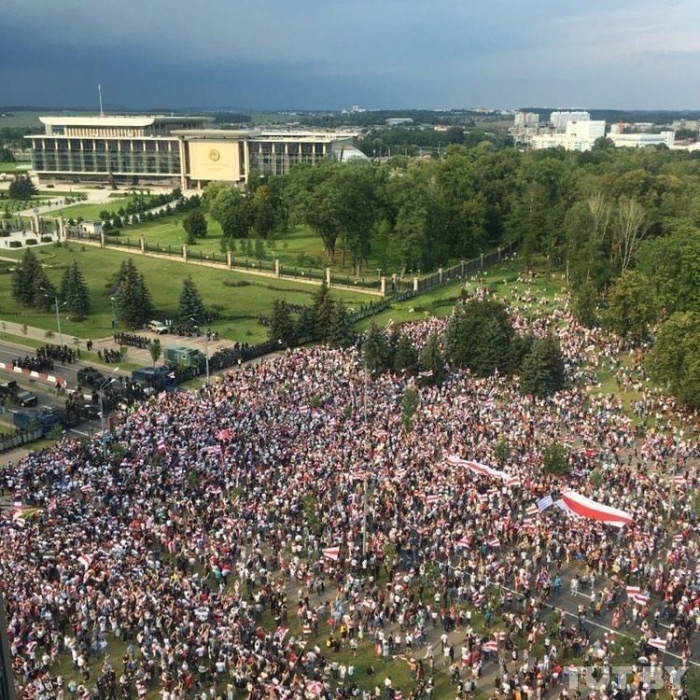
(58,323)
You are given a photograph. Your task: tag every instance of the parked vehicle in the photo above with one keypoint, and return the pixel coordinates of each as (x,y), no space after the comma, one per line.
(32,418)
(157,327)
(20,397)
(90,376)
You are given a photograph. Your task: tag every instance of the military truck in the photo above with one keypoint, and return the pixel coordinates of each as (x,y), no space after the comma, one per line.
(188,362)
(155,378)
(32,418)
(10,391)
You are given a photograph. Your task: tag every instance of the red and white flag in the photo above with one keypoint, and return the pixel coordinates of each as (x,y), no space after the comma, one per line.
(463,542)
(281,633)
(490,647)
(214,450)
(432,499)
(85,560)
(635,594)
(494,542)
(331,553)
(532,510)
(658,643)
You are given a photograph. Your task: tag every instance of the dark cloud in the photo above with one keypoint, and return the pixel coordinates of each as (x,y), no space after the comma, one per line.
(307,54)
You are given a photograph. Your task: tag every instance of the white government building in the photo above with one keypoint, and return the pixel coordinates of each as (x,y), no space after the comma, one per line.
(173,150)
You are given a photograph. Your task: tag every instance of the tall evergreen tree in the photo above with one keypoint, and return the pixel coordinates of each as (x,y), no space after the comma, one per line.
(542,372)
(323,309)
(74,291)
(341,333)
(432,363)
(405,356)
(190,304)
(374,350)
(30,286)
(479,336)
(133,300)
(282,327)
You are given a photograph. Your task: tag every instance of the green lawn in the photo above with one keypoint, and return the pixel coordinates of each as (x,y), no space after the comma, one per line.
(238,307)
(90,212)
(8,167)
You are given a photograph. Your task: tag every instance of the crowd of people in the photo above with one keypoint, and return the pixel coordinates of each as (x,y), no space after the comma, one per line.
(234,540)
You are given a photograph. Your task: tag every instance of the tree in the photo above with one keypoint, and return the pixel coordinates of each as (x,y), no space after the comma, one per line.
(74,291)
(584,304)
(282,327)
(190,304)
(432,363)
(479,336)
(233,210)
(341,334)
(405,356)
(30,285)
(409,404)
(556,459)
(374,351)
(155,350)
(6,156)
(629,231)
(22,188)
(195,225)
(632,306)
(543,373)
(323,311)
(133,300)
(673,359)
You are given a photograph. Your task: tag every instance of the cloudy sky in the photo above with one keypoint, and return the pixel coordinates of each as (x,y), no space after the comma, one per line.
(327,54)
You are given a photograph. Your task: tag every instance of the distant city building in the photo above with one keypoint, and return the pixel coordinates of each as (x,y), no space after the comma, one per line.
(182,151)
(559,120)
(665,138)
(578,136)
(398,121)
(526,119)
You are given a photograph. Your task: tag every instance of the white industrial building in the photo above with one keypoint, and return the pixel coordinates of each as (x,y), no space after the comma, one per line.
(577,136)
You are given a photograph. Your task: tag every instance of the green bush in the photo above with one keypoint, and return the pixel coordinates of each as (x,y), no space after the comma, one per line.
(46,239)
(4,234)
(31,241)
(15,244)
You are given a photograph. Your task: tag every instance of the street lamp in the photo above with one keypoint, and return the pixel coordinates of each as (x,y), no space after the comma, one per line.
(58,315)
(206,346)
(114,313)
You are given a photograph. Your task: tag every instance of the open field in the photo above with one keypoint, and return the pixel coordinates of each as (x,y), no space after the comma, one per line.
(238,299)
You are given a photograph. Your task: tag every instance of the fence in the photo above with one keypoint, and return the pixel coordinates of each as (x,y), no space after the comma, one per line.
(397,289)
(9,442)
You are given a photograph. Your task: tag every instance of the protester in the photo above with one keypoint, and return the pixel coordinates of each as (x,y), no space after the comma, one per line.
(294,486)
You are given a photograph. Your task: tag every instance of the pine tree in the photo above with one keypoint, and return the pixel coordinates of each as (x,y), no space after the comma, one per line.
(74,291)
(543,372)
(306,325)
(134,305)
(432,363)
(282,327)
(323,308)
(341,333)
(190,304)
(30,286)
(406,356)
(374,351)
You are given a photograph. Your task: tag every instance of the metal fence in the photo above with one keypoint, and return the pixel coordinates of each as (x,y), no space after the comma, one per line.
(9,442)
(396,288)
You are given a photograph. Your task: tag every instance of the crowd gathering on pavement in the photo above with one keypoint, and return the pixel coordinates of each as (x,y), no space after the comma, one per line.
(232,541)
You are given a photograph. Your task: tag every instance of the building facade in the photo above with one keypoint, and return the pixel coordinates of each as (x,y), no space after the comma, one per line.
(182,151)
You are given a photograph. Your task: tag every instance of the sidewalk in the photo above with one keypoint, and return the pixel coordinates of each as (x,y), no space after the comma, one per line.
(140,356)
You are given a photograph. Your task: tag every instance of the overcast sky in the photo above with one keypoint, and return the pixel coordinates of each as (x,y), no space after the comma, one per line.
(327,54)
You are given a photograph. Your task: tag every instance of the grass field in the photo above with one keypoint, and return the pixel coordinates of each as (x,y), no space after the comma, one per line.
(8,167)
(90,212)
(238,307)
